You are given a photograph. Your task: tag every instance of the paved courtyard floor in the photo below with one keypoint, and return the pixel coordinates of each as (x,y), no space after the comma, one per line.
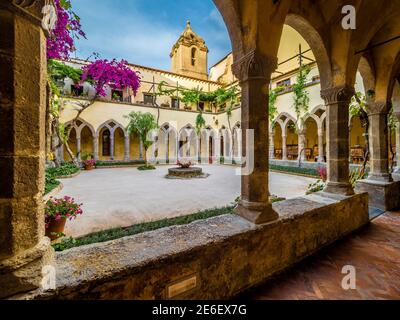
(122,197)
(374,252)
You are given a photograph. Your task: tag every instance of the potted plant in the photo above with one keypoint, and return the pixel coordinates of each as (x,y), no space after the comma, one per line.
(184,163)
(57,212)
(88,162)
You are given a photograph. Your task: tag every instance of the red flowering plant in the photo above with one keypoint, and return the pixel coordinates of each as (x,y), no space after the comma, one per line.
(61,209)
(184,163)
(322,171)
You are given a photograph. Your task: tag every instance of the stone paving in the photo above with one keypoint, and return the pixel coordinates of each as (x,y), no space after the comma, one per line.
(122,197)
(373,251)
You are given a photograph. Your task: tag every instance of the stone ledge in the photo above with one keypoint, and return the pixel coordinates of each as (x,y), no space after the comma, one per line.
(382,195)
(226,254)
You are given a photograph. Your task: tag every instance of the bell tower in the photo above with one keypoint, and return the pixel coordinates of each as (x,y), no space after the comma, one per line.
(189,55)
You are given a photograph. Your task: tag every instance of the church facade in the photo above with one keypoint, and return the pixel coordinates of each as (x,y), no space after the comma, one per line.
(101,129)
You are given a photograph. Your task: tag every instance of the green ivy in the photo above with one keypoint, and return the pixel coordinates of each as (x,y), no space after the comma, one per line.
(200,122)
(301,97)
(273,96)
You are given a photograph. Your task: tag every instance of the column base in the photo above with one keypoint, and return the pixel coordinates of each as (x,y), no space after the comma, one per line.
(382,195)
(339,188)
(385,177)
(24,272)
(256,212)
(396,174)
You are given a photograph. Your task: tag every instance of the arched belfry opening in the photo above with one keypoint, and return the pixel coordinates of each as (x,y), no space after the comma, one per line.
(189,55)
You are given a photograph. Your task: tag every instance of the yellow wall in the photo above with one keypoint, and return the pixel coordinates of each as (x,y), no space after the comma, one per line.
(119,144)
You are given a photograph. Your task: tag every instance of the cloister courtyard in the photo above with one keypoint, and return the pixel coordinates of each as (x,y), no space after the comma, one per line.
(305,94)
(122,197)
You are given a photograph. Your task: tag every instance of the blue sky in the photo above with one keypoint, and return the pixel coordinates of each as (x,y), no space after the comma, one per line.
(144,31)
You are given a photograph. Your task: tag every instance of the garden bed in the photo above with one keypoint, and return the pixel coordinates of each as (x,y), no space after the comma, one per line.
(118,164)
(52,174)
(305,172)
(112,234)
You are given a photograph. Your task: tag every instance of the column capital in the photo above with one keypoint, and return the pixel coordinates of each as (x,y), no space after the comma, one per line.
(31,9)
(378,107)
(337,94)
(254,65)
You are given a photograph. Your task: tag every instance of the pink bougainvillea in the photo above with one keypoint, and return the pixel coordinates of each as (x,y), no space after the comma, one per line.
(60,43)
(116,74)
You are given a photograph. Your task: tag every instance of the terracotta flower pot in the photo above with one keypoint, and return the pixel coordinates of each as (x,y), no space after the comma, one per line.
(89,167)
(55,228)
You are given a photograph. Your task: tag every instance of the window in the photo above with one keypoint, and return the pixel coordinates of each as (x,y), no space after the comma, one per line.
(117,95)
(106,143)
(175,103)
(193,56)
(315,79)
(148,98)
(283,83)
(76,90)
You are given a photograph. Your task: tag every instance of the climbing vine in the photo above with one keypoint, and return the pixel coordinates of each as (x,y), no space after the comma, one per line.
(273,96)
(218,97)
(200,122)
(301,97)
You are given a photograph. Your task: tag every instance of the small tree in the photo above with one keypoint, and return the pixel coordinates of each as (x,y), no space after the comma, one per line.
(142,124)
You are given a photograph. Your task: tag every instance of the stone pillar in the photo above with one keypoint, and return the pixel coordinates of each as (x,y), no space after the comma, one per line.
(379,145)
(383,192)
(284,147)
(396,173)
(254,73)
(78,149)
(272,145)
(302,145)
(96,148)
(24,249)
(337,100)
(141,150)
(126,149)
(112,146)
(321,156)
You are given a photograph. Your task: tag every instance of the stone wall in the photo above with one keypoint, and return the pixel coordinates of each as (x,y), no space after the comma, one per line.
(213,259)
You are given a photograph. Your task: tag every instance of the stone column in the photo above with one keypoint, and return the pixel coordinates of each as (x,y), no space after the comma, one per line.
(126,149)
(272,145)
(321,156)
(396,173)
(302,146)
(141,150)
(78,149)
(337,100)
(96,148)
(379,144)
(284,147)
(254,73)
(112,145)
(24,249)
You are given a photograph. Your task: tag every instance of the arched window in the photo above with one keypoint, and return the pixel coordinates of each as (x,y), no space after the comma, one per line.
(193,56)
(106,143)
